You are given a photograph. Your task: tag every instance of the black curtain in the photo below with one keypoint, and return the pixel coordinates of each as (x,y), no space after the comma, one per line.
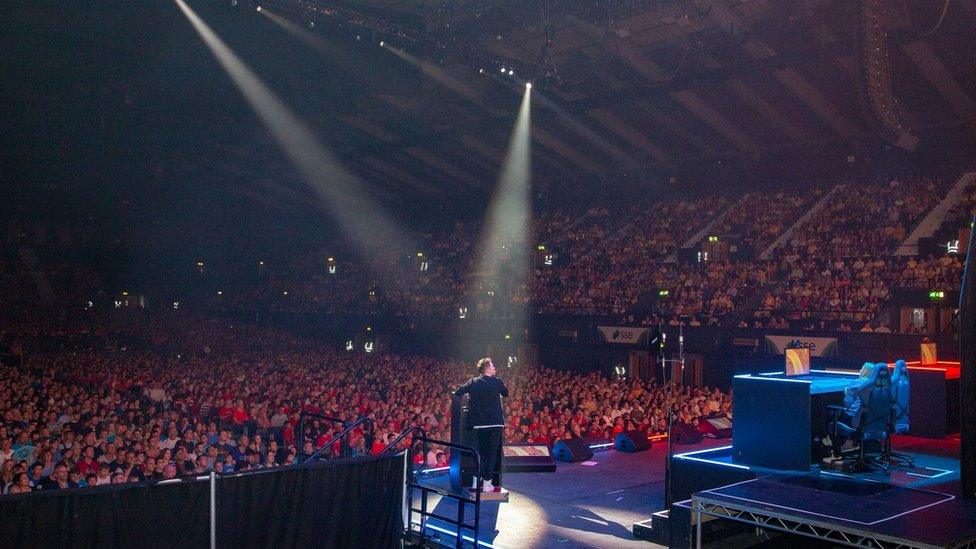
(156,515)
(347,503)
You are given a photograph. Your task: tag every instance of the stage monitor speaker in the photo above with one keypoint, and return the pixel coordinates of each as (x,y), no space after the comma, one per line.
(686,434)
(573,449)
(631,441)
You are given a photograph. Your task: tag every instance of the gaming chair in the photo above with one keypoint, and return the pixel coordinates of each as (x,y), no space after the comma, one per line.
(864,417)
(899,410)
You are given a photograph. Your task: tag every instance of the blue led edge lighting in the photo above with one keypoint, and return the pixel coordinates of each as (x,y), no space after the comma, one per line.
(454,534)
(943,473)
(435,469)
(719,463)
(838,372)
(696,452)
(688,457)
(750,376)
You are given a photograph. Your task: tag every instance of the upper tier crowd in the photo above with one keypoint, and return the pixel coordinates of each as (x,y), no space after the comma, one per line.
(185,395)
(836,265)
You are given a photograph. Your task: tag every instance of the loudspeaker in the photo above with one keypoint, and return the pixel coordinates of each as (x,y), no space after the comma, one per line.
(573,449)
(685,433)
(631,441)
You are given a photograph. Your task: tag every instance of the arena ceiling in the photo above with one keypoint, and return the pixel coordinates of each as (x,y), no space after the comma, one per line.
(650,84)
(622,87)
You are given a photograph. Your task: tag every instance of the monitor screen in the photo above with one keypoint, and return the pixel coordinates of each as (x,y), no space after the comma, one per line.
(797,361)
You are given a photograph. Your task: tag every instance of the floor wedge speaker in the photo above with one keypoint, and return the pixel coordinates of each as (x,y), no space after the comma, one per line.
(631,441)
(573,449)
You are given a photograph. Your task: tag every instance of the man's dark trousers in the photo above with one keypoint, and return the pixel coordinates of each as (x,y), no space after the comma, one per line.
(489,446)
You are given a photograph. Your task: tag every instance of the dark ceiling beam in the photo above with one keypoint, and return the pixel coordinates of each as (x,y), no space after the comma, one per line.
(769,112)
(369,128)
(939,76)
(454,172)
(688,80)
(573,155)
(670,123)
(383,167)
(805,92)
(629,134)
(714,119)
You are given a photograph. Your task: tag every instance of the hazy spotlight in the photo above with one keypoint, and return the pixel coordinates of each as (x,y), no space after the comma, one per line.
(337,189)
(333,53)
(504,256)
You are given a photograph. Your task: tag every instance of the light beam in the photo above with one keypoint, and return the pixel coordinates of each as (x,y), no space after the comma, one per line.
(338,190)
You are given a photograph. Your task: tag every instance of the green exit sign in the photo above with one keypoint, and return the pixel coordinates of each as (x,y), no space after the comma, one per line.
(664,293)
(713,239)
(936,294)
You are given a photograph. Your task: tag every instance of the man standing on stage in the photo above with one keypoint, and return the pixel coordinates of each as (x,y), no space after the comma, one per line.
(485,416)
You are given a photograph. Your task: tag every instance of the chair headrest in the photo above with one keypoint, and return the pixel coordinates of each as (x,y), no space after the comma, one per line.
(901,370)
(871,375)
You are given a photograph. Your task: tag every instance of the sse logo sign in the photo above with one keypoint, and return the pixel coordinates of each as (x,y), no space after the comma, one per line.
(621,334)
(797,344)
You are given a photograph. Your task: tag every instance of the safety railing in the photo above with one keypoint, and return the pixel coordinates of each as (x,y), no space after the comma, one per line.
(300,437)
(464,498)
(343,439)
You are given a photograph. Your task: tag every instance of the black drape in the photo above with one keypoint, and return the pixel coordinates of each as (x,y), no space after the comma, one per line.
(347,503)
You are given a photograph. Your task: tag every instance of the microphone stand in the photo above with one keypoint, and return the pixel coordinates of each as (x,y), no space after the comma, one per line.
(667,475)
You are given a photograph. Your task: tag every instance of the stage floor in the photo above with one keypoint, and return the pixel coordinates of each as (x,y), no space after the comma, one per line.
(578,505)
(596,505)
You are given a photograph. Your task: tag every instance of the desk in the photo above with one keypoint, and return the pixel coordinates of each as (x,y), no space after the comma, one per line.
(778,419)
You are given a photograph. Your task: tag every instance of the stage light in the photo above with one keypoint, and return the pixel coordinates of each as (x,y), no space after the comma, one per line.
(311,24)
(528,85)
(259,8)
(233,3)
(382,43)
(511,72)
(481,71)
(339,191)
(503,70)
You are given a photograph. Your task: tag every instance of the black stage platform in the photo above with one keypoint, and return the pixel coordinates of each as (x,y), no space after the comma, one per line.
(910,507)
(843,510)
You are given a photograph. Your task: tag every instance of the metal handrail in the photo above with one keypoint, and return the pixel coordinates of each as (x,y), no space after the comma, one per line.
(328,444)
(300,438)
(424,514)
(403,435)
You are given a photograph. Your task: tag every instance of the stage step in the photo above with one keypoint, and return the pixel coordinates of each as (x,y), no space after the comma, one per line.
(715,533)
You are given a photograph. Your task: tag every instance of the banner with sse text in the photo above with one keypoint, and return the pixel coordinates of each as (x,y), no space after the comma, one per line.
(622,334)
(819,346)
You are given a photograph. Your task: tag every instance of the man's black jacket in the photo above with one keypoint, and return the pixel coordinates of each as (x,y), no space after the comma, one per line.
(485,404)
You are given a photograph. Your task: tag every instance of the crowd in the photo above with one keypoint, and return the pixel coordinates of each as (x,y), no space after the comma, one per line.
(186,395)
(594,263)
(867,220)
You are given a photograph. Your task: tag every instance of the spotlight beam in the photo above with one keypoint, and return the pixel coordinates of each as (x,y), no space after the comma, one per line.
(333,53)
(504,251)
(338,190)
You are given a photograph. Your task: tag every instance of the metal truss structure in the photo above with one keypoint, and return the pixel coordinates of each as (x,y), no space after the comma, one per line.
(702,506)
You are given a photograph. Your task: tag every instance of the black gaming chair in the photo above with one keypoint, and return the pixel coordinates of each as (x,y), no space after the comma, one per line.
(864,418)
(899,423)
